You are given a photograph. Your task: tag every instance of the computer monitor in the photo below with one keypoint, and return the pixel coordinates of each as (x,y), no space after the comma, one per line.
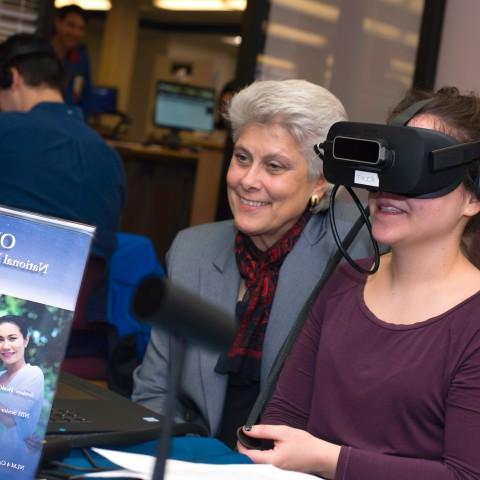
(102,100)
(184,107)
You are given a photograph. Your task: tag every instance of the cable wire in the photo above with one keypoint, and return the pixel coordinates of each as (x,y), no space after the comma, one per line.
(365,214)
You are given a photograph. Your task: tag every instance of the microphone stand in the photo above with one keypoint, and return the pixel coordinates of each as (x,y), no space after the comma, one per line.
(177,359)
(186,317)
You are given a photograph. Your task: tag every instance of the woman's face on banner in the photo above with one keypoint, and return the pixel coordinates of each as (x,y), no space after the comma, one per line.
(12,344)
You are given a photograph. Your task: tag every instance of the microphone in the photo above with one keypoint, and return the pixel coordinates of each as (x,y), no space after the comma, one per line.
(160,302)
(188,318)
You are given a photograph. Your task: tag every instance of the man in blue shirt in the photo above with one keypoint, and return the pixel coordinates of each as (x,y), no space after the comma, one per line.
(51,162)
(69,31)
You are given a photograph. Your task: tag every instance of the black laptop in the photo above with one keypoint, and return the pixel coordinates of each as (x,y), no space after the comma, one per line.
(85,414)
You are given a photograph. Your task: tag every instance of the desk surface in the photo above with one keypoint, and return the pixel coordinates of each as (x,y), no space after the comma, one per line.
(153,151)
(190,449)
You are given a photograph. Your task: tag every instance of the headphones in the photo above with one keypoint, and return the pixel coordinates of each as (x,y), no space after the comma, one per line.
(37,47)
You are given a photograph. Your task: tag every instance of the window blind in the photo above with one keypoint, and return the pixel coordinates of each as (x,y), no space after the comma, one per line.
(18,16)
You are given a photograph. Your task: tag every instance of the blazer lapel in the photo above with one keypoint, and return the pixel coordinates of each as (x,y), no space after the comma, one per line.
(299,274)
(219,283)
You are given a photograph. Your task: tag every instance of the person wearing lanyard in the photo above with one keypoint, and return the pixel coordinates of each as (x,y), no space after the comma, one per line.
(69,31)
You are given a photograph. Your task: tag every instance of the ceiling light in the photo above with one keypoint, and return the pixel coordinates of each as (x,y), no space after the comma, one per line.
(193,5)
(86,4)
(232,40)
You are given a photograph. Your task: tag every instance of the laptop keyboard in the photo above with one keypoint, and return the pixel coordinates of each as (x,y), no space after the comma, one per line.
(61,415)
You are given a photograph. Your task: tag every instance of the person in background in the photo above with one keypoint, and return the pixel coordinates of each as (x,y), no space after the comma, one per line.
(384,380)
(51,161)
(262,266)
(54,164)
(69,31)
(223,101)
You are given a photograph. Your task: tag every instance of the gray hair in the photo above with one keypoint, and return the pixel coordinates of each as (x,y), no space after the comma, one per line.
(304,109)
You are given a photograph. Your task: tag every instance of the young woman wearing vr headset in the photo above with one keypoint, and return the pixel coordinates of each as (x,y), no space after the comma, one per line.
(384,379)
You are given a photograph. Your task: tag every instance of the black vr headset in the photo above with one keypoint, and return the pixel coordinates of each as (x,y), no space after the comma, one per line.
(409,161)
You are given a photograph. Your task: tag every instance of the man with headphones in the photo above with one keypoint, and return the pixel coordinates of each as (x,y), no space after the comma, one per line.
(51,162)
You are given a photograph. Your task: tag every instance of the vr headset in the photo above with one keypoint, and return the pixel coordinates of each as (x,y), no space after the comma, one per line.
(408,161)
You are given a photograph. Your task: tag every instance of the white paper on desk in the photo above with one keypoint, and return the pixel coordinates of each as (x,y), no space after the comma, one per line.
(135,462)
(176,470)
(141,466)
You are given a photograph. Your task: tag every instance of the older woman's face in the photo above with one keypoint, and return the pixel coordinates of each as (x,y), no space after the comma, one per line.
(268,184)
(12,344)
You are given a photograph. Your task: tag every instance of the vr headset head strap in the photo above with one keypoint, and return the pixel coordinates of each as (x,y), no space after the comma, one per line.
(403,118)
(455,155)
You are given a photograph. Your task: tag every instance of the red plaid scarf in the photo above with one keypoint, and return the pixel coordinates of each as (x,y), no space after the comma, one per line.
(260,271)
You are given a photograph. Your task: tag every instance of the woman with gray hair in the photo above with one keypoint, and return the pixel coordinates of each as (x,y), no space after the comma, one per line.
(260,267)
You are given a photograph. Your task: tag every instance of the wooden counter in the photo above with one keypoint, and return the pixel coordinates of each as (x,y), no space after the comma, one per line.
(168,190)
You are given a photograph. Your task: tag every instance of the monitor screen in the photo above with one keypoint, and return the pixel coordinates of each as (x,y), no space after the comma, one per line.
(102,100)
(184,107)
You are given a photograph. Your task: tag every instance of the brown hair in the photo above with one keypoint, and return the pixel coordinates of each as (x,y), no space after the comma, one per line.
(459,114)
(19,320)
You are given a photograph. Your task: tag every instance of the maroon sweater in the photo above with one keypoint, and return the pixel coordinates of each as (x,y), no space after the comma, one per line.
(402,400)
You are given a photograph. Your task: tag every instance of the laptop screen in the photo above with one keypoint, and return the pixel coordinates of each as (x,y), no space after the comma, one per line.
(42,260)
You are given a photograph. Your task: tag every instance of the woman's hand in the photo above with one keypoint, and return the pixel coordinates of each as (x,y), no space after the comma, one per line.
(294,449)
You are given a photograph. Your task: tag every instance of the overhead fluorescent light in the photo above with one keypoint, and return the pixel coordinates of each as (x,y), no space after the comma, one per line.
(295,34)
(232,40)
(196,5)
(312,8)
(86,4)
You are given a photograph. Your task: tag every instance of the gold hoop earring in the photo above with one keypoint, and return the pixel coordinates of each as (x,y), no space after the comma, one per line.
(313,202)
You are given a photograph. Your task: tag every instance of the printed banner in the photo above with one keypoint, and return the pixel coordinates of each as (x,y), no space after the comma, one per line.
(42,261)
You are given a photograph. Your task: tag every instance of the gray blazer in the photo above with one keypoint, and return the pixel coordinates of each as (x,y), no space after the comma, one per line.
(202,259)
